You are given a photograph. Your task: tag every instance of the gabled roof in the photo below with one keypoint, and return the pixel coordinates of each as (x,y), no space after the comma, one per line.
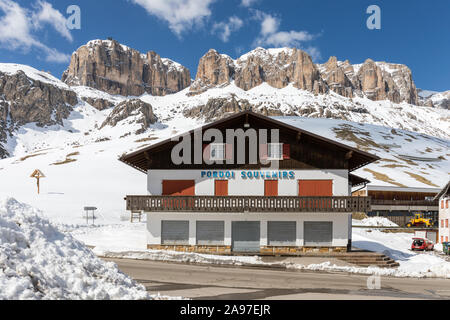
(138,159)
(444,192)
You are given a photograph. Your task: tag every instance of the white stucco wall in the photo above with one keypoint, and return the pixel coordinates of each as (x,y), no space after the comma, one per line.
(341,226)
(444,214)
(249,187)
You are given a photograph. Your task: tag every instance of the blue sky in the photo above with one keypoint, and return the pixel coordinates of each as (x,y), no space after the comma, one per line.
(413,32)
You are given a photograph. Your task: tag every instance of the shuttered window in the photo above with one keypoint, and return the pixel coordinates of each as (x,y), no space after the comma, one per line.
(210,232)
(282,233)
(221,188)
(271,188)
(175,232)
(315,188)
(178,188)
(318,233)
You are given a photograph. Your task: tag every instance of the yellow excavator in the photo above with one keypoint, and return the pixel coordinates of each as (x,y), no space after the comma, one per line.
(419,221)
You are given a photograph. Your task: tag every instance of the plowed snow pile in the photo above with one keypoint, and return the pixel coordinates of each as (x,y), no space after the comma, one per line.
(37,261)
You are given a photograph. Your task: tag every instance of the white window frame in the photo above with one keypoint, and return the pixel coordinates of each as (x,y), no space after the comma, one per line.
(271,156)
(217,146)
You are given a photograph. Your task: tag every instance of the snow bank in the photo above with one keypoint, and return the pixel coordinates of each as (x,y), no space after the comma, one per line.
(375,222)
(37,261)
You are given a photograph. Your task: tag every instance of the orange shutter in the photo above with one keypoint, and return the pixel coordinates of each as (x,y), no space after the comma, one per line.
(271,188)
(315,188)
(221,188)
(442,204)
(178,188)
(286,151)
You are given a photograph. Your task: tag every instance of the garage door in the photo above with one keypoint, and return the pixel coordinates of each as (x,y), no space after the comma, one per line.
(315,188)
(246,236)
(178,188)
(282,233)
(210,232)
(175,232)
(318,234)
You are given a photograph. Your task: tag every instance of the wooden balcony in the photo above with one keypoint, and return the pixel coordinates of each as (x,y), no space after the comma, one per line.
(247,204)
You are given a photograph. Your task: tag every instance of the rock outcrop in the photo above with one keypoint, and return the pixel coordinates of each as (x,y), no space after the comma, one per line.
(281,67)
(276,67)
(219,108)
(114,68)
(26,100)
(136,111)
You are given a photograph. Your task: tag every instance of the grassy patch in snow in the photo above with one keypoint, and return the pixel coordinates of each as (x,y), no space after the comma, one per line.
(393,166)
(67,160)
(383,177)
(359,216)
(421,179)
(31,156)
(146,139)
(348,133)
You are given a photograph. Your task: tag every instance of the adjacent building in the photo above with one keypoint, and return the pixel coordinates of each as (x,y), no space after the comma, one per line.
(399,204)
(444,213)
(222,205)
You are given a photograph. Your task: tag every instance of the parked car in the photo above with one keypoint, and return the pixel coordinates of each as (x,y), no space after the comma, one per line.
(422,244)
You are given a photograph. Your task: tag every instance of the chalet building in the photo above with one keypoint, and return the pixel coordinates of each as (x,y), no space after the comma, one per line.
(399,204)
(305,204)
(444,213)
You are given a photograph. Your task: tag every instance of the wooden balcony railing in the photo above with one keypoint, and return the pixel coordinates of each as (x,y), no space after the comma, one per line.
(431,203)
(247,204)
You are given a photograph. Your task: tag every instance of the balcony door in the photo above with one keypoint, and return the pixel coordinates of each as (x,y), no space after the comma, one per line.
(271,188)
(315,188)
(178,188)
(221,188)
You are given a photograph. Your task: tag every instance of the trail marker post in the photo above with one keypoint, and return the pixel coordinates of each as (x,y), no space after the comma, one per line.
(38,175)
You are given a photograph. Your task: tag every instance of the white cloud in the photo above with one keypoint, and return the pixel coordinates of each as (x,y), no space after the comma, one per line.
(270,35)
(248,3)
(269,25)
(181,15)
(47,14)
(16,31)
(226,28)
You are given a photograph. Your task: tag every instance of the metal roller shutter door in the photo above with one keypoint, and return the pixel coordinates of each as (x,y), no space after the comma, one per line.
(282,233)
(318,234)
(210,232)
(175,232)
(246,236)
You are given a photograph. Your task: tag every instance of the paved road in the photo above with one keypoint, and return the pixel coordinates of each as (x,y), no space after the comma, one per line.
(215,283)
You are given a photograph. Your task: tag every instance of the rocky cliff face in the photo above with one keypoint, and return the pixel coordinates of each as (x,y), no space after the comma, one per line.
(26,100)
(277,67)
(135,110)
(281,67)
(116,69)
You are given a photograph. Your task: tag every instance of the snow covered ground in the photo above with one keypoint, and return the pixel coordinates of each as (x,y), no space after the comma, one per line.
(374,222)
(38,261)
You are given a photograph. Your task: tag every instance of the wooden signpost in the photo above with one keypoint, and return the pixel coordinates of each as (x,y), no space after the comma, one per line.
(38,175)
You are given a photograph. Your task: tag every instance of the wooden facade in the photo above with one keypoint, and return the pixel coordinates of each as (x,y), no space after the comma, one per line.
(302,149)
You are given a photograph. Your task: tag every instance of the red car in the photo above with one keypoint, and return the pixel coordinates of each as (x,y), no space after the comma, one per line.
(422,244)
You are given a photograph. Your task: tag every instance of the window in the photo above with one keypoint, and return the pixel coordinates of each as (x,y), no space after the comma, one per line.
(275,151)
(217,151)
(446,204)
(446,223)
(442,223)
